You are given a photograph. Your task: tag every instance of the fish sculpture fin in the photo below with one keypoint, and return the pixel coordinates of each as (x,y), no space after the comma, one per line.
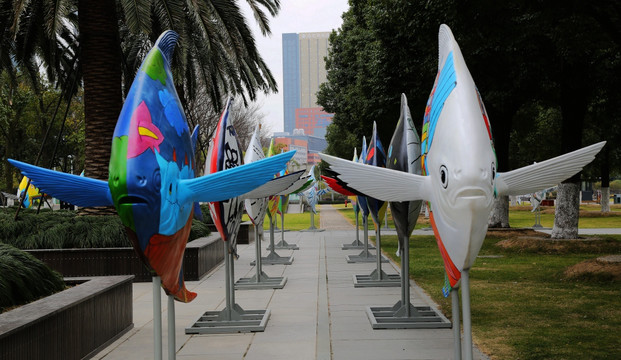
(274,186)
(336,186)
(194,139)
(380,183)
(74,189)
(166,43)
(547,173)
(198,213)
(446,43)
(300,185)
(233,182)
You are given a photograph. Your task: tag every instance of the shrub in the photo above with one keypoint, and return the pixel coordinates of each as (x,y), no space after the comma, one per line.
(65,229)
(23,278)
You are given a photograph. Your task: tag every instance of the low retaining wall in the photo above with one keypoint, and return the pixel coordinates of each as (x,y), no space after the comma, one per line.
(72,324)
(201,255)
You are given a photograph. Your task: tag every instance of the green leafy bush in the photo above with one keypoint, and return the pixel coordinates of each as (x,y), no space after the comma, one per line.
(65,229)
(23,278)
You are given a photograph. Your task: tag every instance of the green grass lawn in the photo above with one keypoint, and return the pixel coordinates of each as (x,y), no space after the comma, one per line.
(350,215)
(590,217)
(520,217)
(523,305)
(293,222)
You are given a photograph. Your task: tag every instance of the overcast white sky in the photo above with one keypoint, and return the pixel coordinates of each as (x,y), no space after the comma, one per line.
(295,16)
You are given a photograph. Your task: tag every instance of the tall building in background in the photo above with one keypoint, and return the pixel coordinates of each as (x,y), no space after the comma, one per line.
(303,71)
(291,79)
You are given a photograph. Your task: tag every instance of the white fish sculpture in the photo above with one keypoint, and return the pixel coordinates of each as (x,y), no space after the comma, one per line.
(459,179)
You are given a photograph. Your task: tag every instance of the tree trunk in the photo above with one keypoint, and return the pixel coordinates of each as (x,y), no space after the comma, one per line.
(499,217)
(100,60)
(605,200)
(605,174)
(567,211)
(574,101)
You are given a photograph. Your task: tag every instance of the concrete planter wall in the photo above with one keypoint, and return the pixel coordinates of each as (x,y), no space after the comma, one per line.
(201,255)
(72,324)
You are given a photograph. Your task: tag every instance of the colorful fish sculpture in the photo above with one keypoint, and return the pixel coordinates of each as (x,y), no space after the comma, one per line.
(224,153)
(30,195)
(152,181)
(459,179)
(376,156)
(313,194)
(404,155)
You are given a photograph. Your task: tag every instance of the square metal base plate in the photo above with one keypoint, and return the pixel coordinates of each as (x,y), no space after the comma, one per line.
(421,317)
(274,259)
(215,322)
(283,245)
(387,280)
(364,258)
(264,282)
(356,245)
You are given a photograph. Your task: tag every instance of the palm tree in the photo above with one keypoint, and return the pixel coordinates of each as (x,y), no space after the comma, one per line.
(217,54)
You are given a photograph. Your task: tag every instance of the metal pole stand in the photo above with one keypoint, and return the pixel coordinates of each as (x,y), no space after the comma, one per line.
(386,227)
(157,318)
(357,244)
(465,310)
(456,324)
(272,258)
(312,227)
(282,244)
(172,341)
(260,280)
(404,315)
(232,319)
(537,219)
(365,256)
(378,278)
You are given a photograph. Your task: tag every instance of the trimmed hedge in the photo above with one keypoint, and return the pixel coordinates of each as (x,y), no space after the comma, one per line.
(23,278)
(64,229)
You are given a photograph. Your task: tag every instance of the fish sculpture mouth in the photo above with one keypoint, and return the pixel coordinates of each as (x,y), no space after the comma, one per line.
(471,193)
(132,200)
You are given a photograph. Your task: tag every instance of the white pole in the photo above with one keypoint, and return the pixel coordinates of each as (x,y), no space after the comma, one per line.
(465,303)
(172,343)
(456,325)
(157,318)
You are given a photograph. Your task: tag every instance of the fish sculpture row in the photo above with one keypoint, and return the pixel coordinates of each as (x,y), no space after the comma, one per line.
(224,153)
(152,173)
(459,180)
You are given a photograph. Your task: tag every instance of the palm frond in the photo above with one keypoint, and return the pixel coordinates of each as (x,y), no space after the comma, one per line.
(137,15)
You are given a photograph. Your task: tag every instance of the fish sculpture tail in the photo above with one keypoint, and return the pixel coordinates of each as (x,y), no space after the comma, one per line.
(164,255)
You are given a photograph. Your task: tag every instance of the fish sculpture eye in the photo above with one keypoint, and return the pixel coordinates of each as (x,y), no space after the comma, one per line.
(444,176)
(493,172)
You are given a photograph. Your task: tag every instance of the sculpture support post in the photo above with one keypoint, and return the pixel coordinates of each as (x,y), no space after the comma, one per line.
(273,258)
(378,252)
(404,315)
(157,318)
(405,276)
(260,280)
(456,325)
(465,303)
(172,343)
(257,245)
(231,319)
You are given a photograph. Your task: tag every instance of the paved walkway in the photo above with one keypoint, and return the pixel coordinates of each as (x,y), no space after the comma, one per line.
(317,315)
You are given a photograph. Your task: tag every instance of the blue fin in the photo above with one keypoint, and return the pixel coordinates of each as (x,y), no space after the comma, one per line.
(198,214)
(194,139)
(74,189)
(230,183)
(166,43)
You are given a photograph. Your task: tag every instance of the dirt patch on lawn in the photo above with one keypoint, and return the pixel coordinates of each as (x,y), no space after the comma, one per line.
(530,241)
(606,268)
